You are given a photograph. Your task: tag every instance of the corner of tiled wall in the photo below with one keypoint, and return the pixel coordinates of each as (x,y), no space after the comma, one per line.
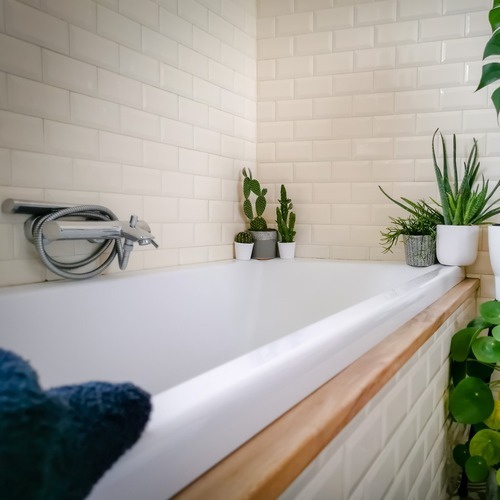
(349,95)
(146,107)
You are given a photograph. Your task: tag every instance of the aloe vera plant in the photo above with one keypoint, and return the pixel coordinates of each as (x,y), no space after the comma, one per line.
(467,202)
(491,71)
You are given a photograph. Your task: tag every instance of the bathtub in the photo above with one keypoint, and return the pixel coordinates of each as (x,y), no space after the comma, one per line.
(225,348)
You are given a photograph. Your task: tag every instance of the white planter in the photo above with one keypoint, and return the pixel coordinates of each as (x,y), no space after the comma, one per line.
(286,250)
(243,251)
(494,250)
(457,245)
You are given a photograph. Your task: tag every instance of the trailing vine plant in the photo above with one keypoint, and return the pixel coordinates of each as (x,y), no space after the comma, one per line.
(475,359)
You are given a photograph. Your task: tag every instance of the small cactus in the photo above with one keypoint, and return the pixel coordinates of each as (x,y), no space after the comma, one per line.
(285,218)
(244,237)
(250,185)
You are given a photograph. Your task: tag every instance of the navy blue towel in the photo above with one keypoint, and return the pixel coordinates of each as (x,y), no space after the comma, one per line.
(56,444)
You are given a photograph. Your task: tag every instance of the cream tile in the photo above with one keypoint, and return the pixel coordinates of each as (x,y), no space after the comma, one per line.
(442,28)
(420,54)
(176,28)
(299,109)
(65,72)
(273,90)
(176,133)
(446,121)
(411,147)
(313,43)
(40,170)
(463,49)
(312,129)
(317,86)
(93,48)
(161,102)
(418,100)
(193,210)
(348,128)
(332,107)
(141,180)
(207,140)
(140,124)
(331,150)
(37,99)
(449,75)
(139,67)
(207,188)
(176,81)
(373,104)
(294,24)
(272,48)
(159,46)
(193,162)
(97,176)
(119,28)
(277,8)
(96,113)
(292,67)
(396,33)
(193,112)
(82,13)
(372,149)
(338,62)
(395,79)
(331,19)
(391,126)
(353,83)
(36,27)
(177,184)
(352,171)
(452,6)
(375,13)
(20,58)
(476,24)
(275,131)
(120,148)
(354,38)
(162,156)
(294,151)
(424,8)
(119,88)
(146,13)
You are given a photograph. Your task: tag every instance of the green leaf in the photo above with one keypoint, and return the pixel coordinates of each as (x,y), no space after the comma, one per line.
(490,74)
(496,332)
(492,47)
(493,421)
(458,371)
(486,443)
(461,454)
(476,469)
(494,18)
(471,401)
(495,98)
(486,349)
(475,368)
(490,311)
(461,343)
(479,322)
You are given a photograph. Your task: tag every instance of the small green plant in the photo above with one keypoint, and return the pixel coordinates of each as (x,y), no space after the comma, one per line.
(244,237)
(285,218)
(422,219)
(491,71)
(467,202)
(475,356)
(251,185)
(406,226)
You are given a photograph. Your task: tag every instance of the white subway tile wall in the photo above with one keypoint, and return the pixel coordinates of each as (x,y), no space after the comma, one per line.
(351,99)
(146,107)
(396,446)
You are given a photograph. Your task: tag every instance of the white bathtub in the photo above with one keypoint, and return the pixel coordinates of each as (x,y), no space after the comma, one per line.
(226,348)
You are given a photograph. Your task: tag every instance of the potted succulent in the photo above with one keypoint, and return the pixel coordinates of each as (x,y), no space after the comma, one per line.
(464,205)
(264,239)
(473,400)
(243,245)
(285,220)
(418,231)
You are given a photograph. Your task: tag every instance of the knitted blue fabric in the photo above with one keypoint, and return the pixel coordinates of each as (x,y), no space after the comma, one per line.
(56,444)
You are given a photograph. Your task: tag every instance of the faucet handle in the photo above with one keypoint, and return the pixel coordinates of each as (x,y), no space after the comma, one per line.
(133,220)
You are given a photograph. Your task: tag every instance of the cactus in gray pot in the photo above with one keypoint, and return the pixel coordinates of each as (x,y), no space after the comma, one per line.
(285,218)
(252,186)
(244,237)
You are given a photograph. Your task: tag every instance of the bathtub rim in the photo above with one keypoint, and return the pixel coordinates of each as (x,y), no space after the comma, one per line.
(256,470)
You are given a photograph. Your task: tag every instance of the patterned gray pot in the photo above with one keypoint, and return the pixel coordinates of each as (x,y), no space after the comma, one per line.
(265,243)
(420,251)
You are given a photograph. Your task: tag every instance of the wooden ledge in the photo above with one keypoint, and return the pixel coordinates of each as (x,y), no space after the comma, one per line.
(267,464)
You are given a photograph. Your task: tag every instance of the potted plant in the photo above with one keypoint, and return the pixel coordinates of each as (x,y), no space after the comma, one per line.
(243,245)
(264,238)
(473,400)
(418,231)
(285,219)
(464,205)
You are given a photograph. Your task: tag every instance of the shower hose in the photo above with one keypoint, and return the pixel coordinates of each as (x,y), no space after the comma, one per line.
(65,269)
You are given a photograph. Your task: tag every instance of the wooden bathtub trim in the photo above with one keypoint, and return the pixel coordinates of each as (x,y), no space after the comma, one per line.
(268,463)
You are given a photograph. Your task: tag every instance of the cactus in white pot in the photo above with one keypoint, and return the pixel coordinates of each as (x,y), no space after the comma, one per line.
(285,220)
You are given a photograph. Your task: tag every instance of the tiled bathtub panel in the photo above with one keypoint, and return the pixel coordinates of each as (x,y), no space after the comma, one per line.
(407,448)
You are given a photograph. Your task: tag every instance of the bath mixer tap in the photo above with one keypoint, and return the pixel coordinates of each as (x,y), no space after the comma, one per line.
(132,231)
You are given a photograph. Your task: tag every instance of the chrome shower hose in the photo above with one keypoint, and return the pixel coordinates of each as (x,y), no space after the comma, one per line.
(63,269)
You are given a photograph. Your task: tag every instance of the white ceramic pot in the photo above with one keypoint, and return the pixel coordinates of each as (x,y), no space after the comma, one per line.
(494,251)
(286,250)
(457,245)
(243,251)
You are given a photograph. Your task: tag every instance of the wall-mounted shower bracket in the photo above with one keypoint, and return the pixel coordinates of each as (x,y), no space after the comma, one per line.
(12,206)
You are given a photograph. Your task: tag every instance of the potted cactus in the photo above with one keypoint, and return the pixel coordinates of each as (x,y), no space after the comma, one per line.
(264,238)
(243,245)
(285,219)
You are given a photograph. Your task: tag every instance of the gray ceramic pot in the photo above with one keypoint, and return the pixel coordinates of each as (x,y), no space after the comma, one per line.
(265,243)
(420,251)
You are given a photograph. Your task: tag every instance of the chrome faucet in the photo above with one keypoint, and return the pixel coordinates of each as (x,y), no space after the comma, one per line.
(132,231)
